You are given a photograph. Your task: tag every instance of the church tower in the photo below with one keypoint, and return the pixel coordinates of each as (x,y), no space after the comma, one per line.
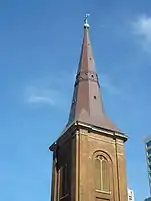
(88,157)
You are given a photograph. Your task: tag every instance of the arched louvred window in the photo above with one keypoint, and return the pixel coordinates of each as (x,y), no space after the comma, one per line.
(102,174)
(97,174)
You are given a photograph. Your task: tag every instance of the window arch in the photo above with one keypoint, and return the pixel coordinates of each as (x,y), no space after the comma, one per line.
(102,173)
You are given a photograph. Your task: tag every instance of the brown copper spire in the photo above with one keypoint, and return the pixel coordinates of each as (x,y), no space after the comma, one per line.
(87,105)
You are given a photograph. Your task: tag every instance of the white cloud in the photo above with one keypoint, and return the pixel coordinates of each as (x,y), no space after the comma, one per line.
(52,91)
(142,28)
(107,83)
(40,99)
(38,95)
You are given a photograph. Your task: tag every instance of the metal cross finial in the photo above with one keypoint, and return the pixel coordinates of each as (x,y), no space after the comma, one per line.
(86,20)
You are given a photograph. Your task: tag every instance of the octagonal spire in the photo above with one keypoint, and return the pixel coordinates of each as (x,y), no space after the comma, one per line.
(87,105)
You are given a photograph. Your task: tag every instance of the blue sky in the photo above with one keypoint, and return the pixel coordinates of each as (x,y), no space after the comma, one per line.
(40,44)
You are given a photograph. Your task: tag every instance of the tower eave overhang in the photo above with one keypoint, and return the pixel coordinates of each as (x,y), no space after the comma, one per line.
(91,128)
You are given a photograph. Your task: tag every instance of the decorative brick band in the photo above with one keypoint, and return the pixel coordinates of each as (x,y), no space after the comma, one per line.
(86,75)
